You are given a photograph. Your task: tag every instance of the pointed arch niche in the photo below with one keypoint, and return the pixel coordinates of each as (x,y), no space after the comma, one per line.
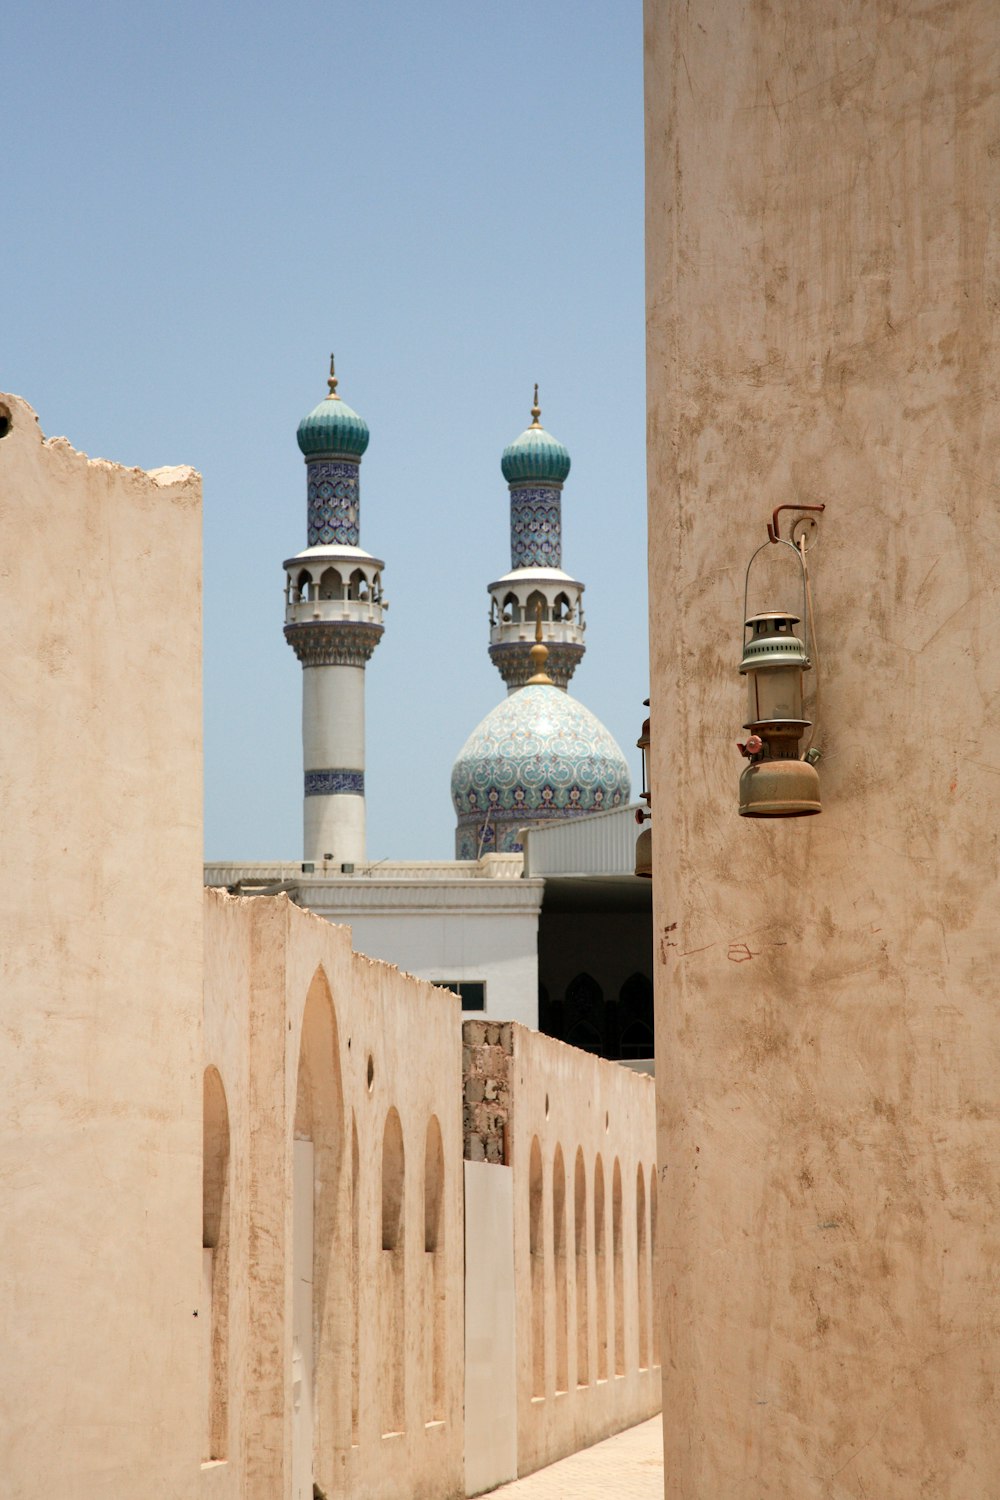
(434,1281)
(559,1265)
(319,1432)
(580,1248)
(392,1299)
(536,1249)
(215,1264)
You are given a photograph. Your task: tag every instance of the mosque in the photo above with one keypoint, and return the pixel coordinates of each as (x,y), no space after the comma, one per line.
(540,917)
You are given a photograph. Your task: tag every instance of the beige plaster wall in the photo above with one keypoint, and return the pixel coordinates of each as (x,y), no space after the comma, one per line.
(574,1105)
(100,972)
(822,290)
(270,962)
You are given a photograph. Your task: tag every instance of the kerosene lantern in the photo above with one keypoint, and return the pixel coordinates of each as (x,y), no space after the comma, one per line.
(776,783)
(644,843)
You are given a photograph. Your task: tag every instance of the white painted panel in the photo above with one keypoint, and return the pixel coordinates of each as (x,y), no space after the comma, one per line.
(490,1353)
(302,1322)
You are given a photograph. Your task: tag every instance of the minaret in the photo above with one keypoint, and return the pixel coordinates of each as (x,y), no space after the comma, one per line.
(535,467)
(333,621)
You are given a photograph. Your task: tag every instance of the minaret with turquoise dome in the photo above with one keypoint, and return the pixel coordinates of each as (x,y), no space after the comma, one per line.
(540,755)
(333,622)
(535,466)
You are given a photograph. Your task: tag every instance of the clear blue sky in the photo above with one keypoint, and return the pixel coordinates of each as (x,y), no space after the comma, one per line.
(201,201)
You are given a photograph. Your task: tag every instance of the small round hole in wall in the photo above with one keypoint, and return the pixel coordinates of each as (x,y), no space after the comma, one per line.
(546,1106)
(5,422)
(371,1072)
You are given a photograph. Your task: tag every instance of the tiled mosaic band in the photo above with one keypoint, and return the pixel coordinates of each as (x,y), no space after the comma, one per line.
(334,504)
(535,527)
(333,783)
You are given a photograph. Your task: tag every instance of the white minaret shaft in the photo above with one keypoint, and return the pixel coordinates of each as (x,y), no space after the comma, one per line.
(333,621)
(333,753)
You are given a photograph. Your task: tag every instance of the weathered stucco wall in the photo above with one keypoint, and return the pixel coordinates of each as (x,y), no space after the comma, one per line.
(100,974)
(822,297)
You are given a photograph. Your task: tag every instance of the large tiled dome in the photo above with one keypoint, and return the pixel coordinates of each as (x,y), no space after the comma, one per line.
(538,755)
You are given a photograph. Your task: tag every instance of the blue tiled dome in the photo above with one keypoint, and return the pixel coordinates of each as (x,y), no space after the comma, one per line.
(333,427)
(535,455)
(538,755)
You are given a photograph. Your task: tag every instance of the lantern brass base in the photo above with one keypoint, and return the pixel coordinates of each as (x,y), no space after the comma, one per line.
(644,853)
(779,789)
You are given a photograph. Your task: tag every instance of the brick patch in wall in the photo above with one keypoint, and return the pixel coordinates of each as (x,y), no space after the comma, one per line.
(487,1050)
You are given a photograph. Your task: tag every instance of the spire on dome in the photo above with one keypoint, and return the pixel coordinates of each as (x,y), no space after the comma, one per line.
(539,652)
(536,411)
(333,382)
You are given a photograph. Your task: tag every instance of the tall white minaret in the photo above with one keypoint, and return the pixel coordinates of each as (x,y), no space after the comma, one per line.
(333,621)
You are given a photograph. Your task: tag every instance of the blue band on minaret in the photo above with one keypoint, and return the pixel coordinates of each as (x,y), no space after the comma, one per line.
(334,503)
(334,783)
(535,526)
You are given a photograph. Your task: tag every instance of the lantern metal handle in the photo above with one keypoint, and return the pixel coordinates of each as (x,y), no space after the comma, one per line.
(780,542)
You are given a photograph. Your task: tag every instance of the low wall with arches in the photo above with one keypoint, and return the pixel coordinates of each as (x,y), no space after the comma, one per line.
(582,1144)
(332,1223)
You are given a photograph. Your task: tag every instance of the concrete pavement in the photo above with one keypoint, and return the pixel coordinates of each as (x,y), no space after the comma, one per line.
(628,1466)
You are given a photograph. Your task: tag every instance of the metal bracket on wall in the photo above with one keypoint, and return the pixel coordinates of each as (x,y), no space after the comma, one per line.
(804,527)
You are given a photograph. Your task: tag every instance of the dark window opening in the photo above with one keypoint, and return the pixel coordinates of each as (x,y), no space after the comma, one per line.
(472,992)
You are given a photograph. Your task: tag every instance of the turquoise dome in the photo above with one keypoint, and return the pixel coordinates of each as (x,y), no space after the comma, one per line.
(535,455)
(539,755)
(333,427)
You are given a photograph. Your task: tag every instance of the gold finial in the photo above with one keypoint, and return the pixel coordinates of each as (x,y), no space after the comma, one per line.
(536,410)
(539,654)
(332,383)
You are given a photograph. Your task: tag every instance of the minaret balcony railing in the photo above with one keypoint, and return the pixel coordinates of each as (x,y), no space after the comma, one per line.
(504,632)
(351,611)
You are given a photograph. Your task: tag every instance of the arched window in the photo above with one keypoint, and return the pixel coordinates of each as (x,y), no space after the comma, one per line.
(562,609)
(583,1014)
(320,1277)
(536,1248)
(511,610)
(434,1281)
(642,1267)
(601,1269)
(617,1251)
(655,1279)
(635,1016)
(331,585)
(581,1269)
(392,1360)
(304,587)
(559,1263)
(536,601)
(355,1282)
(215,1263)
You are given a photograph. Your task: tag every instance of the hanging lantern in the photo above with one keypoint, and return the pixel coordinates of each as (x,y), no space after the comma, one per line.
(644,843)
(776,783)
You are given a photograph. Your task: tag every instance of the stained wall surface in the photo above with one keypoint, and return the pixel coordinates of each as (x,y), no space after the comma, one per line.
(822,284)
(100,973)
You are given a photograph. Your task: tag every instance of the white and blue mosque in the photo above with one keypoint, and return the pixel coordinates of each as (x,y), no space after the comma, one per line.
(540,917)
